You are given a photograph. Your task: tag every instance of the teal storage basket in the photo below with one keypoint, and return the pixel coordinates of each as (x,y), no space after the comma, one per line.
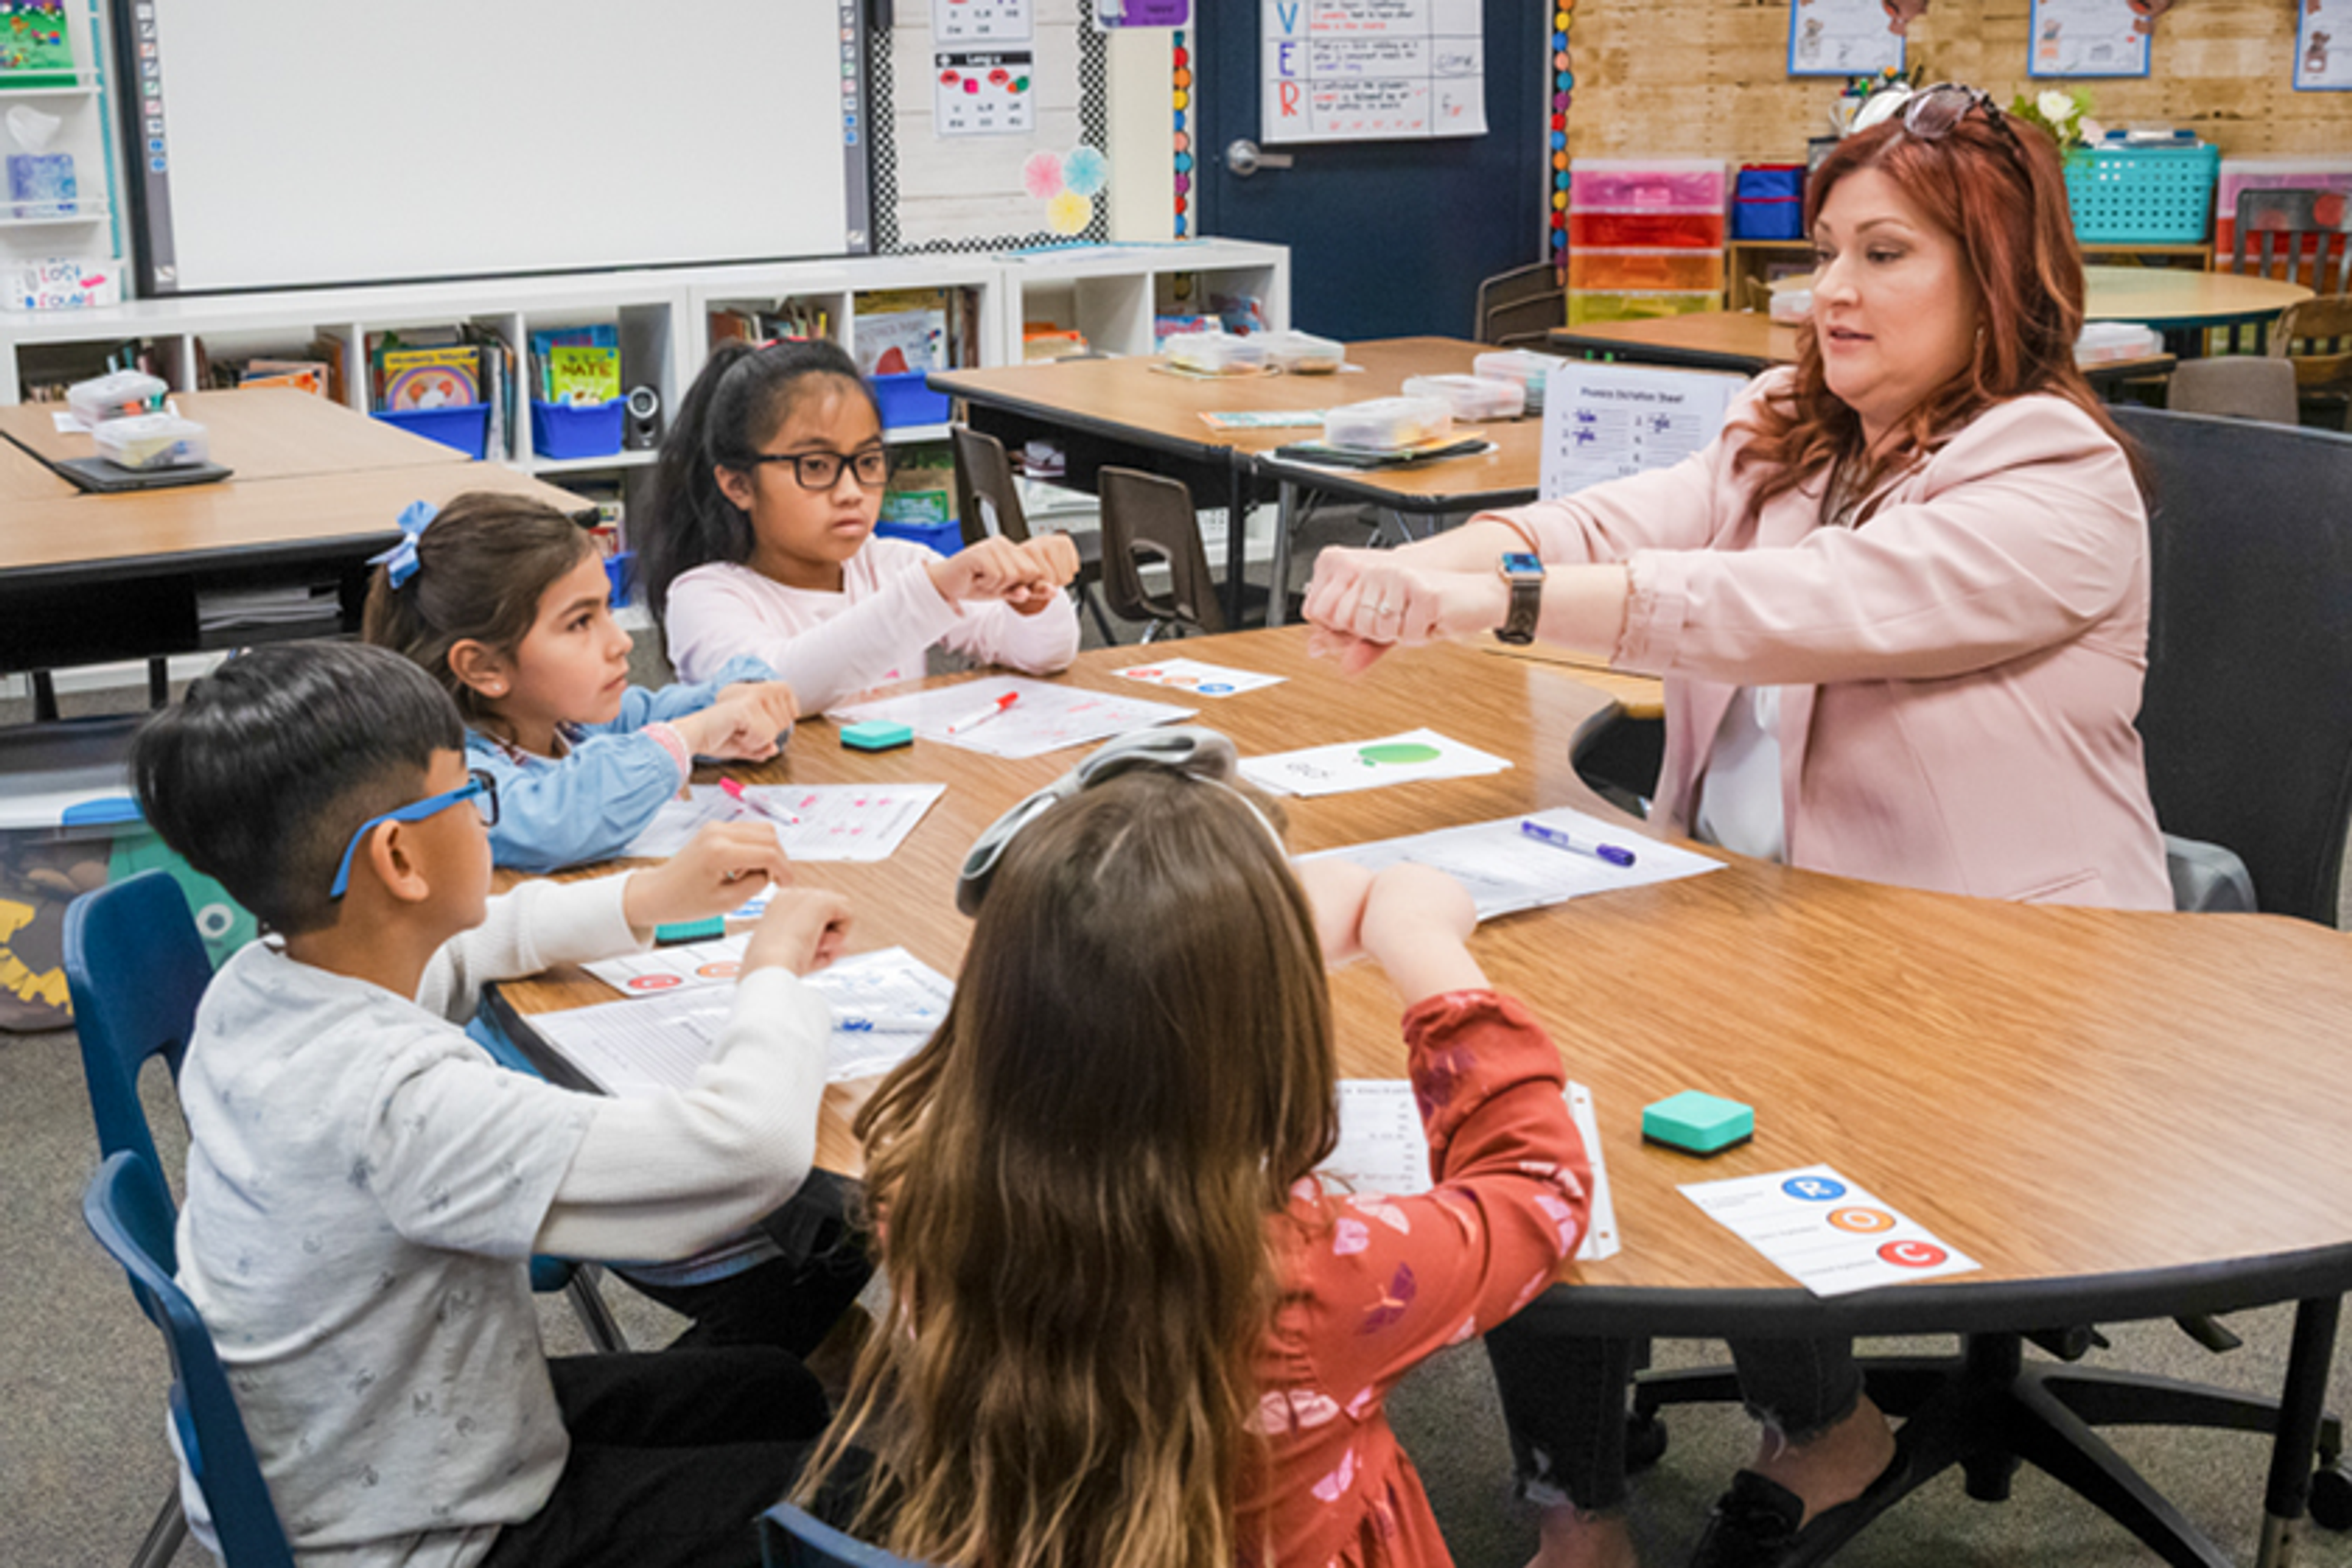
(2142,195)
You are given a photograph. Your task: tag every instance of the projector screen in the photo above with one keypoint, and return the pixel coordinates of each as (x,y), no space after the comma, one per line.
(278,143)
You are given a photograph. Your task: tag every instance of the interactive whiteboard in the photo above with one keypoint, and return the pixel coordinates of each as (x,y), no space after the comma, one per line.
(275,143)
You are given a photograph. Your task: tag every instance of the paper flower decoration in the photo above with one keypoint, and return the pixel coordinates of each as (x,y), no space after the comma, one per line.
(1041,175)
(1086,171)
(1069,213)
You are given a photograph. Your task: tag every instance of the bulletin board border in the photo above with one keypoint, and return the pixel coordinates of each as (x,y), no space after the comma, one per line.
(1094,129)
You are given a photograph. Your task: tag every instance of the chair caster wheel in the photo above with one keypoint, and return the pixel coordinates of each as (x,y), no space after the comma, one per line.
(2331,1498)
(1646,1443)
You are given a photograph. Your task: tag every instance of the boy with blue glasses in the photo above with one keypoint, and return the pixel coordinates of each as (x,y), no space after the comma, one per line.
(364,1186)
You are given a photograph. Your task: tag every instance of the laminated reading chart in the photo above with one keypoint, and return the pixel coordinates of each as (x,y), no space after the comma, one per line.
(981,21)
(1827,1234)
(1605,421)
(1040,718)
(1383,1149)
(988,90)
(2087,37)
(1841,38)
(1372,71)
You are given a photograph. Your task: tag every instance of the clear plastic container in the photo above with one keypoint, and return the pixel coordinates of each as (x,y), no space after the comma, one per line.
(1303,353)
(2103,342)
(146,441)
(1471,396)
(1388,424)
(1216,354)
(118,395)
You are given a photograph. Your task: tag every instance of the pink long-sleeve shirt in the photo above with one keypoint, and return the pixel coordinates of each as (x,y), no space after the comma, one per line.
(1960,672)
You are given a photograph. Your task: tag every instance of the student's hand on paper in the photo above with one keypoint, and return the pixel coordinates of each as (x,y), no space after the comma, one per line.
(802,930)
(748,720)
(1055,557)
(1415,924)
(1336,889)
(996,568)
(722,865)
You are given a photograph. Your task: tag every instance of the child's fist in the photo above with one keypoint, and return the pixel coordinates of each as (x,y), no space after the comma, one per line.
(802,930)
(743,721)
(723,864)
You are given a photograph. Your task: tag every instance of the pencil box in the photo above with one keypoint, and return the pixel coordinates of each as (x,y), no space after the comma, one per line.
(148,441)
(1388,424)
(115,396)
(1471,398)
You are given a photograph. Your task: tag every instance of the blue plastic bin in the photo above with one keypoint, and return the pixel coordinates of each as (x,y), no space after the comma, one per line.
(575,430)
(905,400)
(623,571)
(1769,202)
(466,428)
(947,538)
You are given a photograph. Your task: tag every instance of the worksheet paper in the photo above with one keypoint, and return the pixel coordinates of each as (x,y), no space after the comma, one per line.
(1194,678)
(838,822)
(1383,1148)
(1826,1233)
(886,1005)
(1408,758)
(1045,717)
(1507,871)
(2086,38)
(1605,421)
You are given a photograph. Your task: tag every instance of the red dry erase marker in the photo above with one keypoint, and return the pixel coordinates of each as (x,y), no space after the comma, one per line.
(984,715)
(772,812)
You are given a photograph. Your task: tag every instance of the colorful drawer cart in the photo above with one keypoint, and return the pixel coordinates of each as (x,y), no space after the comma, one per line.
(1646,238)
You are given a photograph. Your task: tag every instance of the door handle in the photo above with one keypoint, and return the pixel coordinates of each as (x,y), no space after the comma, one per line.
(1243,157)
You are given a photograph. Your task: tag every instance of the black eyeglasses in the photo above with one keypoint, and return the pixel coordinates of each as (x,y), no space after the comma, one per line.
(1930,113)
(822,470)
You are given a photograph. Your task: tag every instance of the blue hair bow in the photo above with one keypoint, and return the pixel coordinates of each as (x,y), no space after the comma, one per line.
(400,560)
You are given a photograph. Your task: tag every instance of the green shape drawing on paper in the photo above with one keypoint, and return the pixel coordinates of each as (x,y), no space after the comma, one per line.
(1400,753)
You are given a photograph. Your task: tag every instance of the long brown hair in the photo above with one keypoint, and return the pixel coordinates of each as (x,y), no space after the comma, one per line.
(1072,1185)
(1997,188)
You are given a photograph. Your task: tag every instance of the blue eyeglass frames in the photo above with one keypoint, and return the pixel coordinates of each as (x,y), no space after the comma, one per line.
(479,787)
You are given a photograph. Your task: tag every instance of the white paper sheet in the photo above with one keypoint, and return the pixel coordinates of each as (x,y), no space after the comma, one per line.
(838,822)
(1604,421)
(1194,678)
(1506,871)
(1828,1235)
(1383,1149)
(1045,717)
(1407,758)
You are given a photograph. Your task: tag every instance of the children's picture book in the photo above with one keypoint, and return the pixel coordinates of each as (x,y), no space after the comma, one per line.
(901,329)
(302,375)
(582,375)
(34,50)
(443,377)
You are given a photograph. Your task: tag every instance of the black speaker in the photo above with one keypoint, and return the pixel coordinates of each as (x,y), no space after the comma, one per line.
(641,431)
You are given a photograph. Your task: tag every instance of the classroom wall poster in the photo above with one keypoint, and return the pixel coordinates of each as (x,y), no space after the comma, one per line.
(1841,38)
(2321,63)
(1113,14)
(985,94)
(969,22)
(2086,38)
(1372,71)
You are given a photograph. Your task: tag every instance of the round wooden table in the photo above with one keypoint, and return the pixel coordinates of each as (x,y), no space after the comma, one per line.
(2172,299)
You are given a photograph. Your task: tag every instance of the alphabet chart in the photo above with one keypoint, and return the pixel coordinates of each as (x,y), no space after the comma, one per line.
(1826,1233)
(1371,70)
(1041,718)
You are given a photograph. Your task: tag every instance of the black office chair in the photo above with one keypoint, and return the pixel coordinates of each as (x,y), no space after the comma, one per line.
(989,502)
(1148,518)
(1515,309)
(2247,715)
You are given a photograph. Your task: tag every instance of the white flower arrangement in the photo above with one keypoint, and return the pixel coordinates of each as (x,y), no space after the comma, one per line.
(2064,115)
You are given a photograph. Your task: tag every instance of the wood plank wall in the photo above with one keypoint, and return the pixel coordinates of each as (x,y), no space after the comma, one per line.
(1705,79)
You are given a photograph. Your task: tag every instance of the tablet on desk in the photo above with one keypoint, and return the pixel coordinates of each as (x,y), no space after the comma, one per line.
(106,477)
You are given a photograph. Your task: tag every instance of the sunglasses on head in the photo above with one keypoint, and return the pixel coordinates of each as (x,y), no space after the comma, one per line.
(1930,113)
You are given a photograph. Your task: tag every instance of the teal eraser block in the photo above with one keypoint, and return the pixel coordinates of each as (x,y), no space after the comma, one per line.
(1700,1123)
(875,735)
(692,930)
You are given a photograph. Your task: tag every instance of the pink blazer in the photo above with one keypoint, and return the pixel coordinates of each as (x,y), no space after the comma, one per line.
(1961,670)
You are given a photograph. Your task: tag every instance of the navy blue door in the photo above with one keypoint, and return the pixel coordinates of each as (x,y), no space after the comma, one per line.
(1387,239)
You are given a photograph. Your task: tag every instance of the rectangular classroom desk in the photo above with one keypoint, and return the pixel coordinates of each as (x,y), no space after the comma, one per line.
(266,433)
(2114,1113)
(1749,343)
(25,478)
(89,579)
(1136,412)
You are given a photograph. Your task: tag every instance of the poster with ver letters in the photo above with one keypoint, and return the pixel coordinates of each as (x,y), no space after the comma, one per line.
(1371,70)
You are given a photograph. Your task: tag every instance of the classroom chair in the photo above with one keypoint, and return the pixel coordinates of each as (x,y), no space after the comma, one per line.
(2234,386)
(1147,519)
(129,1212)
(135,969)
(2296,236)
(2316,337)
(793,1538)
(989,502)
(1517,308)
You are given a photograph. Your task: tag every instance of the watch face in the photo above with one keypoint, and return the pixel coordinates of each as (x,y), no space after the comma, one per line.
(1520,564)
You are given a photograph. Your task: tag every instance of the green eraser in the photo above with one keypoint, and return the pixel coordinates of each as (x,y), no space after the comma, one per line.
(875,735)
(692,930)
(1700,1123)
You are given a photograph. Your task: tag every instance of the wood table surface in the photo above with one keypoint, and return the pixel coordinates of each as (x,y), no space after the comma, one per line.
(262,433)
(2110,1110)
(2172,298)
(94,537)
(1747,342)
(25,478)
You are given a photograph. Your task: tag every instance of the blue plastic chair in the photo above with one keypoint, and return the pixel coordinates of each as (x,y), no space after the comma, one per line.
(130,1213)
(794,1537)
